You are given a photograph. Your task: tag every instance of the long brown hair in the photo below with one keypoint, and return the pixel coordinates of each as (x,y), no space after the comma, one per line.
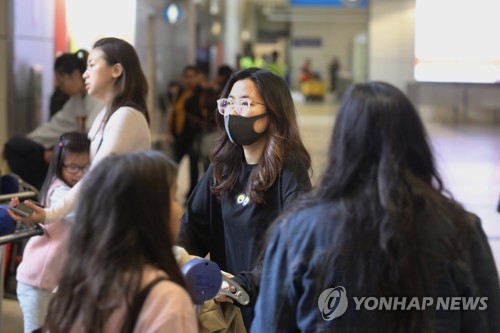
(283,137)
(131,88)
(121,225)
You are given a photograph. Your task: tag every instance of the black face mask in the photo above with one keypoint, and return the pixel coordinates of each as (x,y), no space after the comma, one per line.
(240,129)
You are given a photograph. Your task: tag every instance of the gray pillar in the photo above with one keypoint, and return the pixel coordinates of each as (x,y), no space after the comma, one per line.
(191,31)
(231,31)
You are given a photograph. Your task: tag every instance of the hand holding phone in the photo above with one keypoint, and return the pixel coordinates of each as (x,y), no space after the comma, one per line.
(23,210)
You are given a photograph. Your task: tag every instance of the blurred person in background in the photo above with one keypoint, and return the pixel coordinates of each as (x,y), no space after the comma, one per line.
(28,155)
(212,94)
(187,121)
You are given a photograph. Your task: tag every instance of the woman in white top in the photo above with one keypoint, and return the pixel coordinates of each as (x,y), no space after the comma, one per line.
(114,76)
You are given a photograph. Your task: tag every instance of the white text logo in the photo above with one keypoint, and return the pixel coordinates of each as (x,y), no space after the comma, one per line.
(416,303)
(333,302)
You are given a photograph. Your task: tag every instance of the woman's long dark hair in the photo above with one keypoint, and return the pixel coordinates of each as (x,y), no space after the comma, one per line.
(283,137)
(71,142)
(131,88)
(390,202)
(122,225)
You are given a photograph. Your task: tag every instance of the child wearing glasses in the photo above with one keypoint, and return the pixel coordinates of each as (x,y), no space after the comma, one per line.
(258,166)
(38,273)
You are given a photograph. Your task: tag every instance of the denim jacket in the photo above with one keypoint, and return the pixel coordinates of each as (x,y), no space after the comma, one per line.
(291,299)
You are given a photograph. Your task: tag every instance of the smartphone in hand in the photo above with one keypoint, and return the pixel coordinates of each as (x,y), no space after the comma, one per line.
(24,210)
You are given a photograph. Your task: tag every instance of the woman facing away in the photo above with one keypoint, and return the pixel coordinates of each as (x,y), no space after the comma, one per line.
(43,256)
(121,246)
(379,225)
(258,166)
(115,77)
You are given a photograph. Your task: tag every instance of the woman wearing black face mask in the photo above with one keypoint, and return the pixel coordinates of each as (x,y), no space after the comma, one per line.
(258,166)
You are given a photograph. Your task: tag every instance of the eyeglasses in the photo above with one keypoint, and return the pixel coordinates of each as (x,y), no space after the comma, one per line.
(74,169)
(240,105)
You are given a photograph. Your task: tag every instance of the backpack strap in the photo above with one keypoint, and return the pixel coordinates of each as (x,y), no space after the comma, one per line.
(136,306)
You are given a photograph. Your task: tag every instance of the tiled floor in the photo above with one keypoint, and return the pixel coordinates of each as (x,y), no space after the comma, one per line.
(468,157)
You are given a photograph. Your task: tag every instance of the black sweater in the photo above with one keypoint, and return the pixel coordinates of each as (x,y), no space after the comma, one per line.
(233,229)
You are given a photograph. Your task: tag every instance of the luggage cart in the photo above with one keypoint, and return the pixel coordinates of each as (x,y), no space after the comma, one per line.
(11,248)
(22,232)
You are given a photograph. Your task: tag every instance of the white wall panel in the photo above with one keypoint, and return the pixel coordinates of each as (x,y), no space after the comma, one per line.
(34,18)
(391,41)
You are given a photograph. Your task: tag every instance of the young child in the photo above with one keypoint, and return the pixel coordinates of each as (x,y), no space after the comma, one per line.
(43,257)
(127,221)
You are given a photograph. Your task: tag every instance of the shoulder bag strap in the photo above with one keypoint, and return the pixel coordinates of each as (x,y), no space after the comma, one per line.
(136,306)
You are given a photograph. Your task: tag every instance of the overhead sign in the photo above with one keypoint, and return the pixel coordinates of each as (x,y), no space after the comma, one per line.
(307,42)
